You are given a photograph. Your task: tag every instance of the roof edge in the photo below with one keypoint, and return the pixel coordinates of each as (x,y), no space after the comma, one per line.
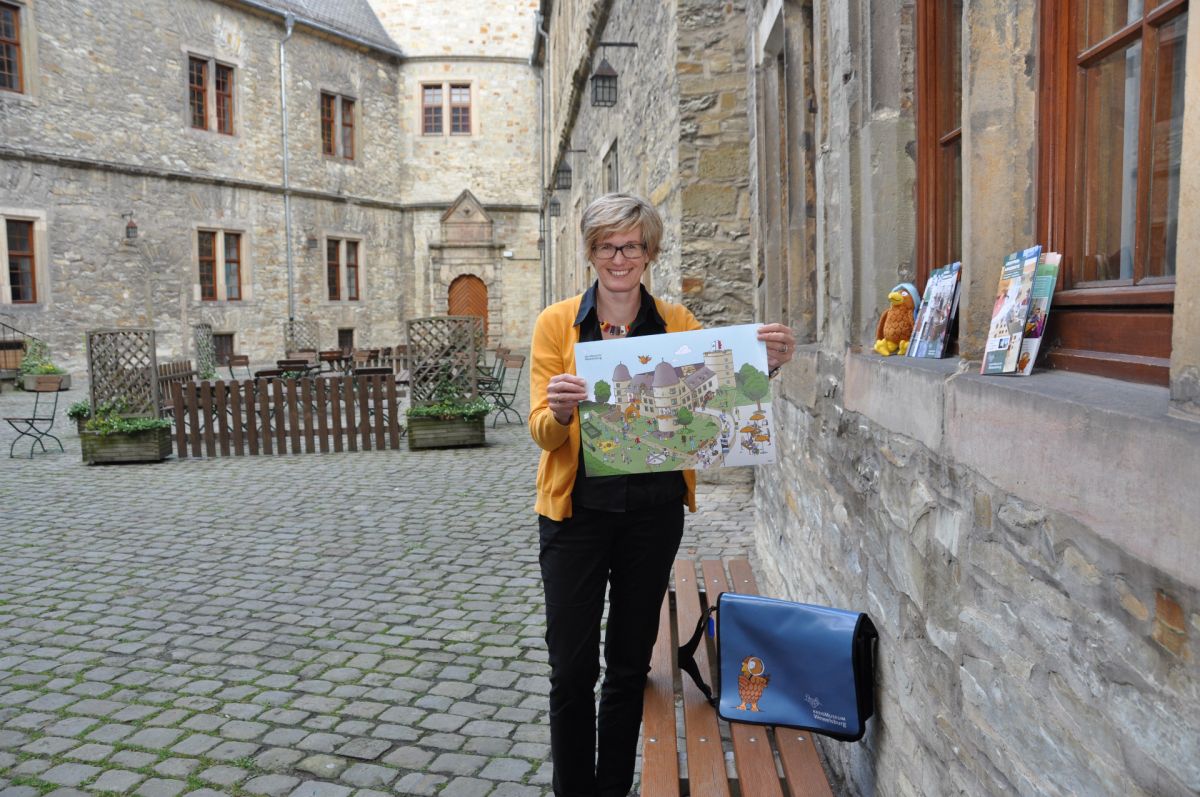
(309,22)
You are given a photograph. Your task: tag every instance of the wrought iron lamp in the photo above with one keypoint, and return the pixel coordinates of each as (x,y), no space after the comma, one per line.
(604,79)
(131,230)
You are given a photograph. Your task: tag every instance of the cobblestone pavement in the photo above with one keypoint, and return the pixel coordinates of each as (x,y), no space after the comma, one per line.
(316,626)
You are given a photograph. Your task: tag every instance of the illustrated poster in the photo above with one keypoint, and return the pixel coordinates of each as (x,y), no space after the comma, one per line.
(684,400)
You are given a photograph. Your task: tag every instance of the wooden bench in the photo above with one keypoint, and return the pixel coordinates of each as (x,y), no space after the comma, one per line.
(754,771)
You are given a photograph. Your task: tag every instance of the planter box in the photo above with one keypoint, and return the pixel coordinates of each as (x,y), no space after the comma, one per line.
(149,445)
(440,433)
(29,381)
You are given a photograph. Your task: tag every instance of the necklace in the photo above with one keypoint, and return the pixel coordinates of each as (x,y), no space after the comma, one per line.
(617,330)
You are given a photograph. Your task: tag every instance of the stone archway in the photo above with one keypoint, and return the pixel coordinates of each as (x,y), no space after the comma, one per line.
(468,295)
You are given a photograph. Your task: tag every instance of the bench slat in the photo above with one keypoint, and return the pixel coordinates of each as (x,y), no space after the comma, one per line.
(660,762)
(705,758)
(801,763)
(752,753)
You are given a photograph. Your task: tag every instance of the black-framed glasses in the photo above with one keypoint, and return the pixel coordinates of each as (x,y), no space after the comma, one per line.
(631,251)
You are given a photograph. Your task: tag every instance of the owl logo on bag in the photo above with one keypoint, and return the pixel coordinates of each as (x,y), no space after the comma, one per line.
(752,680)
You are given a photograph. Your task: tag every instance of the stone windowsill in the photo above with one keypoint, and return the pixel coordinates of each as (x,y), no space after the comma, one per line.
(1104,452)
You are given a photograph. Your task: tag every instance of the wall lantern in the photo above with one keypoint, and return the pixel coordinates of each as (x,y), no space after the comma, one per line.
(562,177)
(604,85)
(604,79)
(555,208)
(131,230)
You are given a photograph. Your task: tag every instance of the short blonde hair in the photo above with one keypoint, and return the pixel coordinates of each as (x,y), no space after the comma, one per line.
(613,213)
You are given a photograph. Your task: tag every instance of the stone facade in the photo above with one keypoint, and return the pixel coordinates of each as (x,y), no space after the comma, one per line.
(677,136)
(74,160)
(1027,548)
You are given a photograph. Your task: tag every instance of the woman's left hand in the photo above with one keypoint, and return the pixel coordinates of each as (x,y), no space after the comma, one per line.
(781,344)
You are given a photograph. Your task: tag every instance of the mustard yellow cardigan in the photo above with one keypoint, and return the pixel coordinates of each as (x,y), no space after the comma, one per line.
(553,352)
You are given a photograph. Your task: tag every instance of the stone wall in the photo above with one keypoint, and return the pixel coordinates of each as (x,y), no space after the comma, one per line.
(489,28)
(1027,548)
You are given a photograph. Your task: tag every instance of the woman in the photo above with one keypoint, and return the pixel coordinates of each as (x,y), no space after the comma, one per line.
(620,532)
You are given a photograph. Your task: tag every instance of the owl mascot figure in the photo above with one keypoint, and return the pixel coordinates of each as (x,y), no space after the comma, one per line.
(751,682)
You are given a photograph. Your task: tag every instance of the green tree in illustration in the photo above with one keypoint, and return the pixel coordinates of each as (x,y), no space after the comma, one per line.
(684,418)
(754,383)
(603,392)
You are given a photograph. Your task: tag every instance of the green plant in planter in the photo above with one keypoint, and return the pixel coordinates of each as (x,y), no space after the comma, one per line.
(37,362)
(80,411)
(109,420)
(448,405)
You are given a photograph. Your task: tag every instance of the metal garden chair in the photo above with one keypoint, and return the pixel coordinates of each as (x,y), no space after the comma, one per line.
(37,425)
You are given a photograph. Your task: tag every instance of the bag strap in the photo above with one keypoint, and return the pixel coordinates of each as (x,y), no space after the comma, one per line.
(687,657)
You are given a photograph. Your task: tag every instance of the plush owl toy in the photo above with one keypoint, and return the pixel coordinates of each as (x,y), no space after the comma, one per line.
(895,326)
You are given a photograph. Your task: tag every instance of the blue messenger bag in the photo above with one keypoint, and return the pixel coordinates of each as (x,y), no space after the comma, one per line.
(789,664)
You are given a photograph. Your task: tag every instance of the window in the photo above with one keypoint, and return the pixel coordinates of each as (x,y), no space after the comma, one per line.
(198,92)
(346,339)
(431,110)
(439,100)
(342,270)
(215,113)
(223,347)
(460,110)
(22,273)
(939,134)
(1111,123)
(224,89)
(337,126)
(611,174)
(219,265)
(10,48)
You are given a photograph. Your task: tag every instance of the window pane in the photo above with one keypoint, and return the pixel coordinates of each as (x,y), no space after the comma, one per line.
(1102,18)
(431,102)
(10,48)
(348,129)
(352,269)
(197,81)
(1108,179)
(327,121)
(1166,138)
(224,89)
(331,269)
(233,266)
(20,260)
(206,245)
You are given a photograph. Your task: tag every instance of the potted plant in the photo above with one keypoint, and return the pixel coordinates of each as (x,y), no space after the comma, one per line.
(80,412)
(447,421)
(37,363)
(109,437)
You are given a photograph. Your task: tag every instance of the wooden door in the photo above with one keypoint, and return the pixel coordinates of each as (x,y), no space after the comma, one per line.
(468,296)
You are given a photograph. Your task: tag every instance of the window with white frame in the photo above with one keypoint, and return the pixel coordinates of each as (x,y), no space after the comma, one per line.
(343,270)
(337,126)
(23,253)
(219,266)
(210,95)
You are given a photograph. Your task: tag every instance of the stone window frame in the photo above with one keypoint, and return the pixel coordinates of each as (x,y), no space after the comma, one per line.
(342,239)
(445,107)
(1133,317)
(245,281)
(211,118)
(939,135)
(610,169)
(27,54)
(41,281)
(335,147)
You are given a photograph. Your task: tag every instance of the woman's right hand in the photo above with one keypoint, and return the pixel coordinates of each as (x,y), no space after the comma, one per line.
(563,394)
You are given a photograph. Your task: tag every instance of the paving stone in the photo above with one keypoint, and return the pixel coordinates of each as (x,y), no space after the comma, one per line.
(368,775)
(197,744)
(71,726)
(31,766)
(231,751)
(49,745)
(323,766)
(70,774)
(321,742)
(91,752)
(243,730)
(223,775)
(154,738)
(506,769)
(161,787)
(517,790)
(19,791)
(278,759)
(487,746)
(116,780)
(176,767)
(419,785)
(316,788)
(10,739)
(365,749)
(270,785)
(467,787)
(457,763)
(132,759)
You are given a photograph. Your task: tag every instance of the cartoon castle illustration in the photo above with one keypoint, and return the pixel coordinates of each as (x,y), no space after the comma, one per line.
(660,393)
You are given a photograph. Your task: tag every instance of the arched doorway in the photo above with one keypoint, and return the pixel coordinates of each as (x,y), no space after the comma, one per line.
(468,296)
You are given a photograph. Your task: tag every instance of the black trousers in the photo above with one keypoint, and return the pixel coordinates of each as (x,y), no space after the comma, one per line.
(631,553)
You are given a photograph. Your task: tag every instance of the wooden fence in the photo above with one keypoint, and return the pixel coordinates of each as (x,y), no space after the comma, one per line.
(286,416)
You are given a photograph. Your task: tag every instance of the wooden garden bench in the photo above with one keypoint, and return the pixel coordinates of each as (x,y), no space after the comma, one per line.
(756,748)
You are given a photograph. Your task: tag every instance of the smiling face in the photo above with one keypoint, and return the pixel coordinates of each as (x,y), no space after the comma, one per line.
(621,274)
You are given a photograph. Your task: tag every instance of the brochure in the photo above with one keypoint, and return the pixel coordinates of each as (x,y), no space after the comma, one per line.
(684,400)
(937,311)
(1009,312)
(1044,280)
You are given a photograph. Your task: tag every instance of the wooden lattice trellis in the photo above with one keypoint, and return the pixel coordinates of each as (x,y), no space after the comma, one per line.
(206,350)
(443,355)
(298,335)
(122,366)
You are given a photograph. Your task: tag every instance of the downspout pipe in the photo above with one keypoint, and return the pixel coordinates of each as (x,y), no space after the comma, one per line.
(289,21)
(544,215)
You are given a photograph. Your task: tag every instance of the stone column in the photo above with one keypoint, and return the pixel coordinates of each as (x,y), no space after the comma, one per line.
(1185,331)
